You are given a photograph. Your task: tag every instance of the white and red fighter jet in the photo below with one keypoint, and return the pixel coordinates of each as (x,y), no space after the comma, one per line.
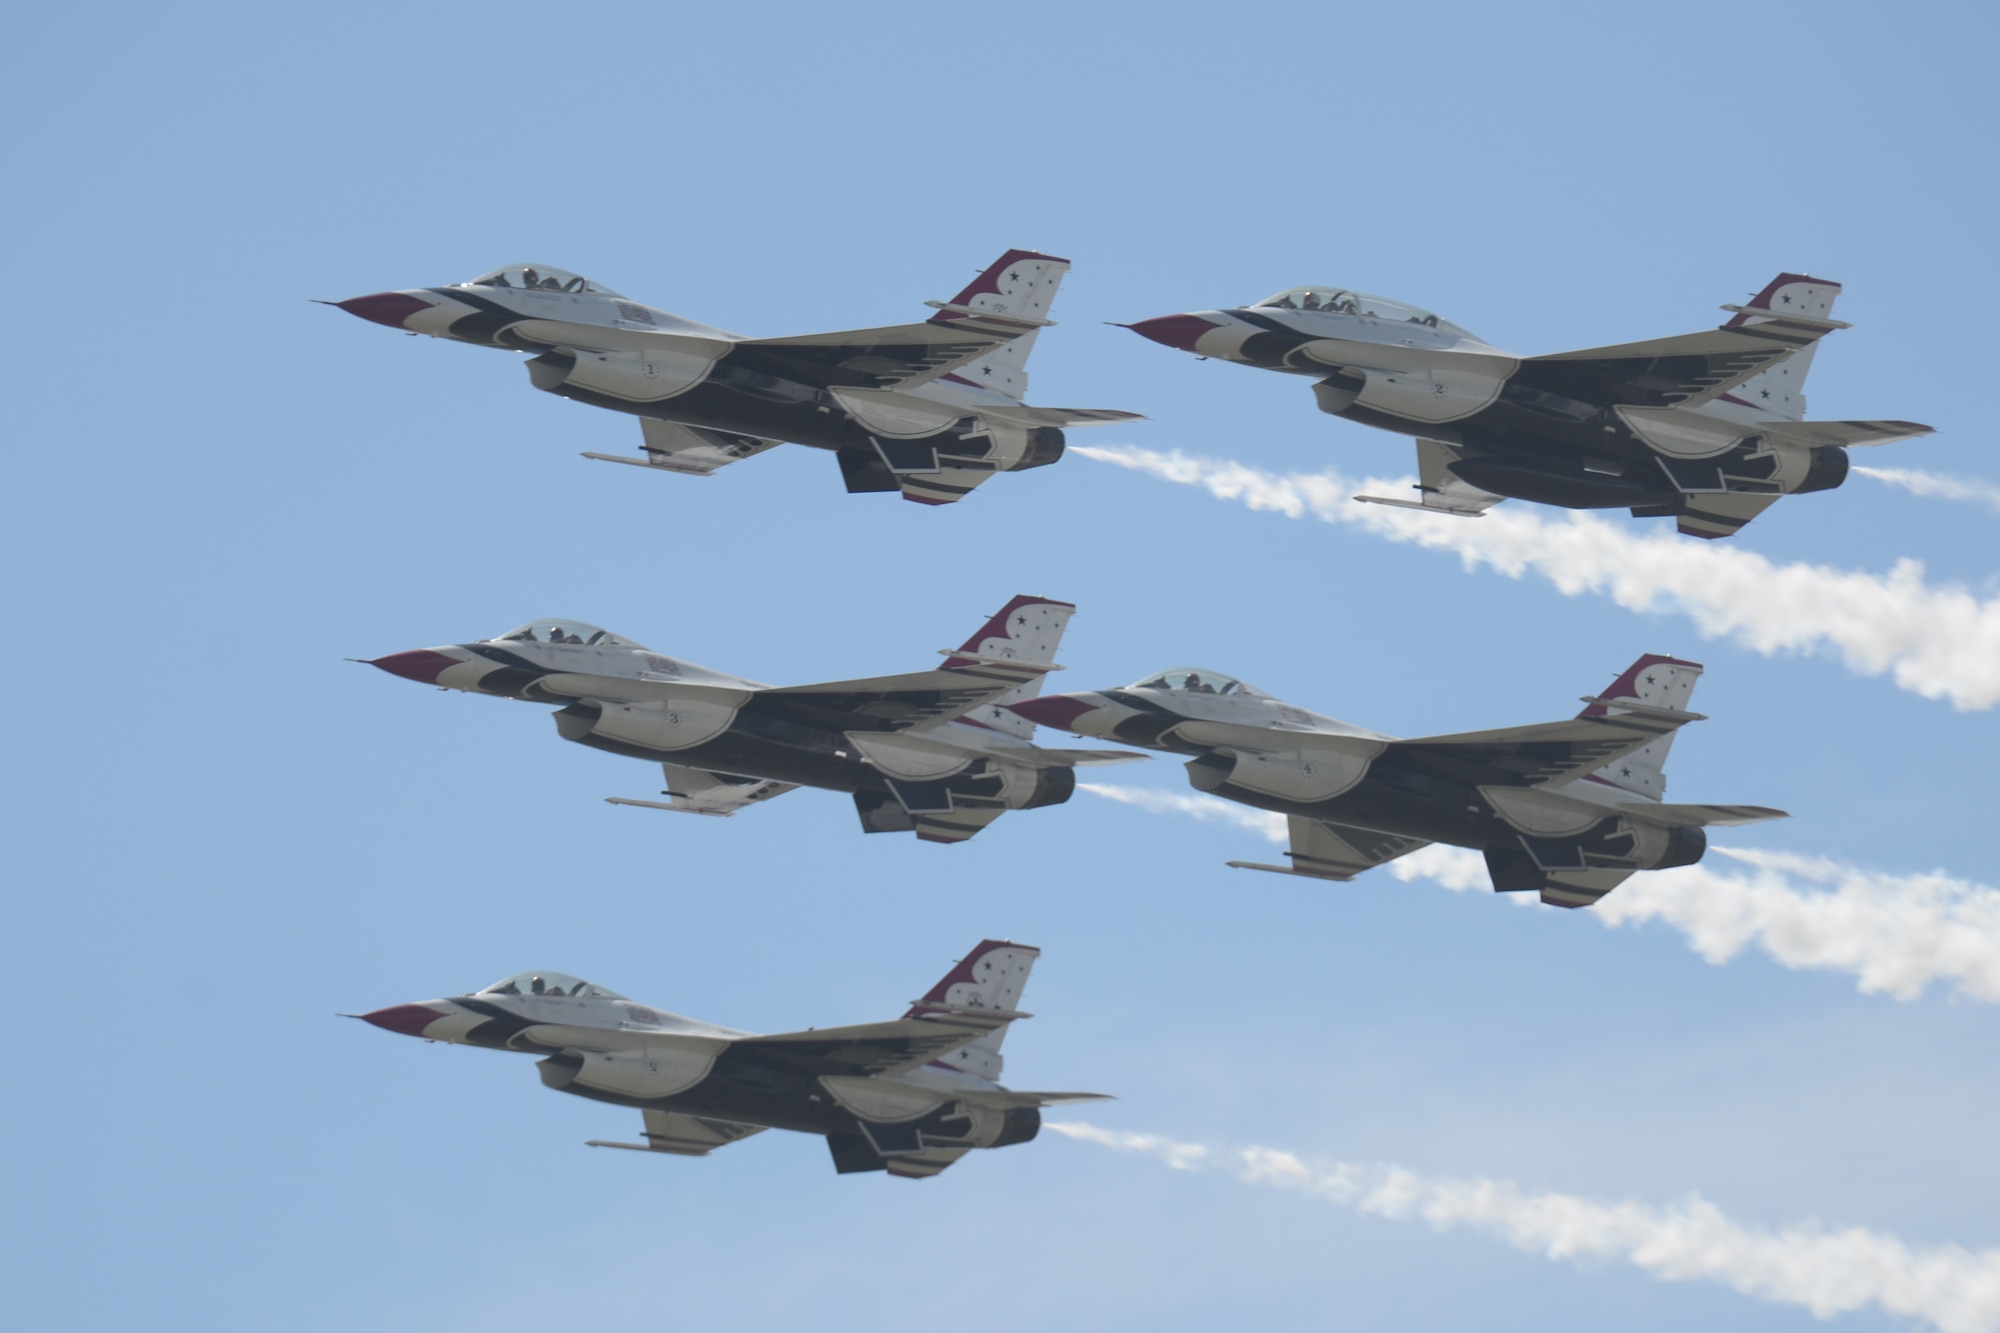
(910,1096)
(928,752)
(931,409)
(1706,428)
(1568,809)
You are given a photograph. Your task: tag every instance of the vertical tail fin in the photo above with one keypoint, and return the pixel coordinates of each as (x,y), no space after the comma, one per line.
(992,976)
(1659,682)
(1020,285)
(1026,630)
(1781,390)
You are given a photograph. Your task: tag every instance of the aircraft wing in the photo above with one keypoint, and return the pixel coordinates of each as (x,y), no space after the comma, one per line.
(1684,371)
(1727,816)
(684,1135)
(1438,490)
(1537,755)
(875,1048)
(901,356)
(889,703)
(700,791)
(1324,850)
(695,451)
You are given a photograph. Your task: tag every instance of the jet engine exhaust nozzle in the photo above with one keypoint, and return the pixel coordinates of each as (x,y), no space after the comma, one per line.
(387,308)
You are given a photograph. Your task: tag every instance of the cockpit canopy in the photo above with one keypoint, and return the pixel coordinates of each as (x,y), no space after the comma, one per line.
(539,277)
(549,983)
(564,631)
(1191,680)
(1340,301)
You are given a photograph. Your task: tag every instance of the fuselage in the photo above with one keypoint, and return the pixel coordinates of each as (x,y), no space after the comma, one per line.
(609,1049)
(620,697)
(594,346)
(1248,747)
(1534,430)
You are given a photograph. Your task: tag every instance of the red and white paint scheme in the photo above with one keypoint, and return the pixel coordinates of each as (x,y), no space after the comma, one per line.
(934,753)
(930,410)
(1706,428)
(909,1096)
(1569,809)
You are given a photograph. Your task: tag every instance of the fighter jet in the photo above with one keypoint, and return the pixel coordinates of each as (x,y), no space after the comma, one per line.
(1706,428)
(909,1097)
(929,409)
(1568,809)
(932,752)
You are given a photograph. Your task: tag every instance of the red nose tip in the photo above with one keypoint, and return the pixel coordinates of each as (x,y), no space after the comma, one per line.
(1055,710)
(408,1019)
(1182,331)
(390,308)
(423,666)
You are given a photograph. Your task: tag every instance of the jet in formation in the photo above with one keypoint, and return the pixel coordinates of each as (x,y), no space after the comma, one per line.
(933,753)
(909,1097)
(1705,428)
(930,410)
(1568,809)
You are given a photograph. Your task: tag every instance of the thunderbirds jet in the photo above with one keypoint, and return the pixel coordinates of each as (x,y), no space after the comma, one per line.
(930,752)
(1706,428)
(909,1097)
(929,409)
(1569,809)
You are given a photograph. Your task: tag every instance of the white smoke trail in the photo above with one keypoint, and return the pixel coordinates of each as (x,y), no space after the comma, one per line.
(1939,484)
(1939,641)
(1897,934)
(1826,1272)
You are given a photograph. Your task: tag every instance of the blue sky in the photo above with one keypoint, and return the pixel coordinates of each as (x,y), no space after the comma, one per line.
(224,833)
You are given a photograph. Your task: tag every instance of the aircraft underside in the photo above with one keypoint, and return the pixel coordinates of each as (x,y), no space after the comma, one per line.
(1538,447)
(749,1087)
(776,409)
(1413,804)
(780,751)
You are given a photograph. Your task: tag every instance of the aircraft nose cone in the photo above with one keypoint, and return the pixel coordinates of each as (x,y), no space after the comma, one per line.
(1182,331)
(408,1019)
(390,308)
(423,666)
(1054,710)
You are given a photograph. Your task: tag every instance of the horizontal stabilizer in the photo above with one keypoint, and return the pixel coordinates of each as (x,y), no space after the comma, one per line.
(1698,815)
(1004,1099)
(1023,415)
(1813,433)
